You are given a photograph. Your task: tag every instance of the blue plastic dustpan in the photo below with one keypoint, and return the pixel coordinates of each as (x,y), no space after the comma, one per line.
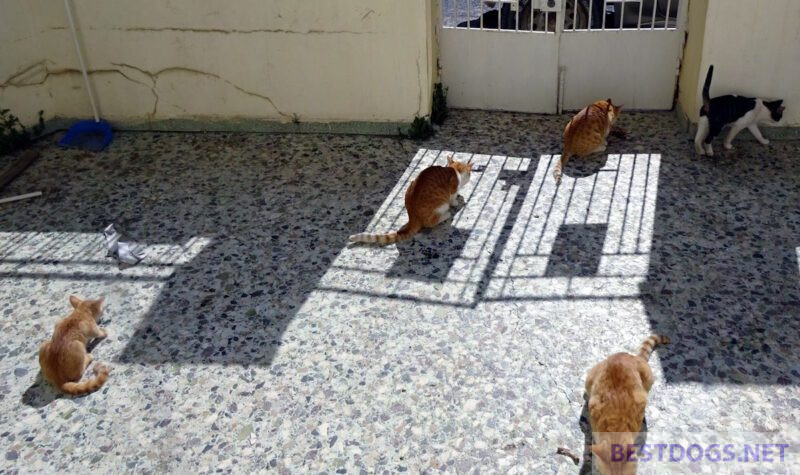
(88,135)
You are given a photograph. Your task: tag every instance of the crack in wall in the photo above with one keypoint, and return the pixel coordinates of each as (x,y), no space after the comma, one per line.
(12,82)
(224,31)
(154,77)
(26,38)
(42,73)
(14,79)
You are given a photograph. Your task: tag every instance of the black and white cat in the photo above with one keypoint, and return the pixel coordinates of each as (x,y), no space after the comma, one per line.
(741,112)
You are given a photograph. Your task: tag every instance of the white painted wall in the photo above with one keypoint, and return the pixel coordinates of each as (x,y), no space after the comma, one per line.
(754,46)
(20,42)
(500,70)
(318,60)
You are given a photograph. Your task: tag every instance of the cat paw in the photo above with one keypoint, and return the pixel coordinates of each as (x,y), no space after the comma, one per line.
(764,142)
(459,201)
(727,146)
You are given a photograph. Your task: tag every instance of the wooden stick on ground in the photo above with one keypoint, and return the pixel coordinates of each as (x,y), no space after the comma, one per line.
(24,161)
(568,453)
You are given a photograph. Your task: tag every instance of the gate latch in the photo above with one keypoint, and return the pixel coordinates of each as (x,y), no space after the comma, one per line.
(548,5)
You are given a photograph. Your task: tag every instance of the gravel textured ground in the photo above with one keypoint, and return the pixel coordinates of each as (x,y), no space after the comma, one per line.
(252,337)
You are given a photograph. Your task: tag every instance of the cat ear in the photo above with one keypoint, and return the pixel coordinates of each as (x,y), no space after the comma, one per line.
(74,301)
(450,159)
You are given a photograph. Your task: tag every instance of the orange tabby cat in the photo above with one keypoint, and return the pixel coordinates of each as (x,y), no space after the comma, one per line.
(617,390)
(587,131)
(64,358)
(428,200)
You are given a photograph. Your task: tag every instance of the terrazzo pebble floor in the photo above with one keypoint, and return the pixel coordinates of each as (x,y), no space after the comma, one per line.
(253,338)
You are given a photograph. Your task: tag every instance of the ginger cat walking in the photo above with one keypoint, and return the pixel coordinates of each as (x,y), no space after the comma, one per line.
(586,133)
(428,201)
(617,390)
(64,358)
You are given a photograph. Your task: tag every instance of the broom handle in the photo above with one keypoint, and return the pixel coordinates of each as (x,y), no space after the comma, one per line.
(80,59)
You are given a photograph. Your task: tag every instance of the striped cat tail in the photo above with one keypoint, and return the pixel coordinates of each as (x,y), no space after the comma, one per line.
(649,343)
(406,232)
(90,385)
(560,165)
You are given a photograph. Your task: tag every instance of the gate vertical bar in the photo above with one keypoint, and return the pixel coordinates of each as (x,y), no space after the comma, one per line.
(653,20)
(531,15)
(500,16)
(589,25)
(639,23)
(574,15)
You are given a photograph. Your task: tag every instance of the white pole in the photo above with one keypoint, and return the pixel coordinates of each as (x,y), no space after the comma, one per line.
(80,59)
(21,197)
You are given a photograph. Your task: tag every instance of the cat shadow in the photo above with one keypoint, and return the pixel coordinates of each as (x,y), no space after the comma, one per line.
(586,428)
(581,167)
(723,274)
(40,393)
(429,255)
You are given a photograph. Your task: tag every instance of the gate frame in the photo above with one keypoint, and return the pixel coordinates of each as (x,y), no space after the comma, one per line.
(468,83)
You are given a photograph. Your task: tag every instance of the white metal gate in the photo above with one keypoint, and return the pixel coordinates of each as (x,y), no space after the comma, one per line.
(549,55)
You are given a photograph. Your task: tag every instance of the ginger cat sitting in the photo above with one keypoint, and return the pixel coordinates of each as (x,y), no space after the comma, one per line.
(64,358)
(617,389)
(586,133)
(428,200)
